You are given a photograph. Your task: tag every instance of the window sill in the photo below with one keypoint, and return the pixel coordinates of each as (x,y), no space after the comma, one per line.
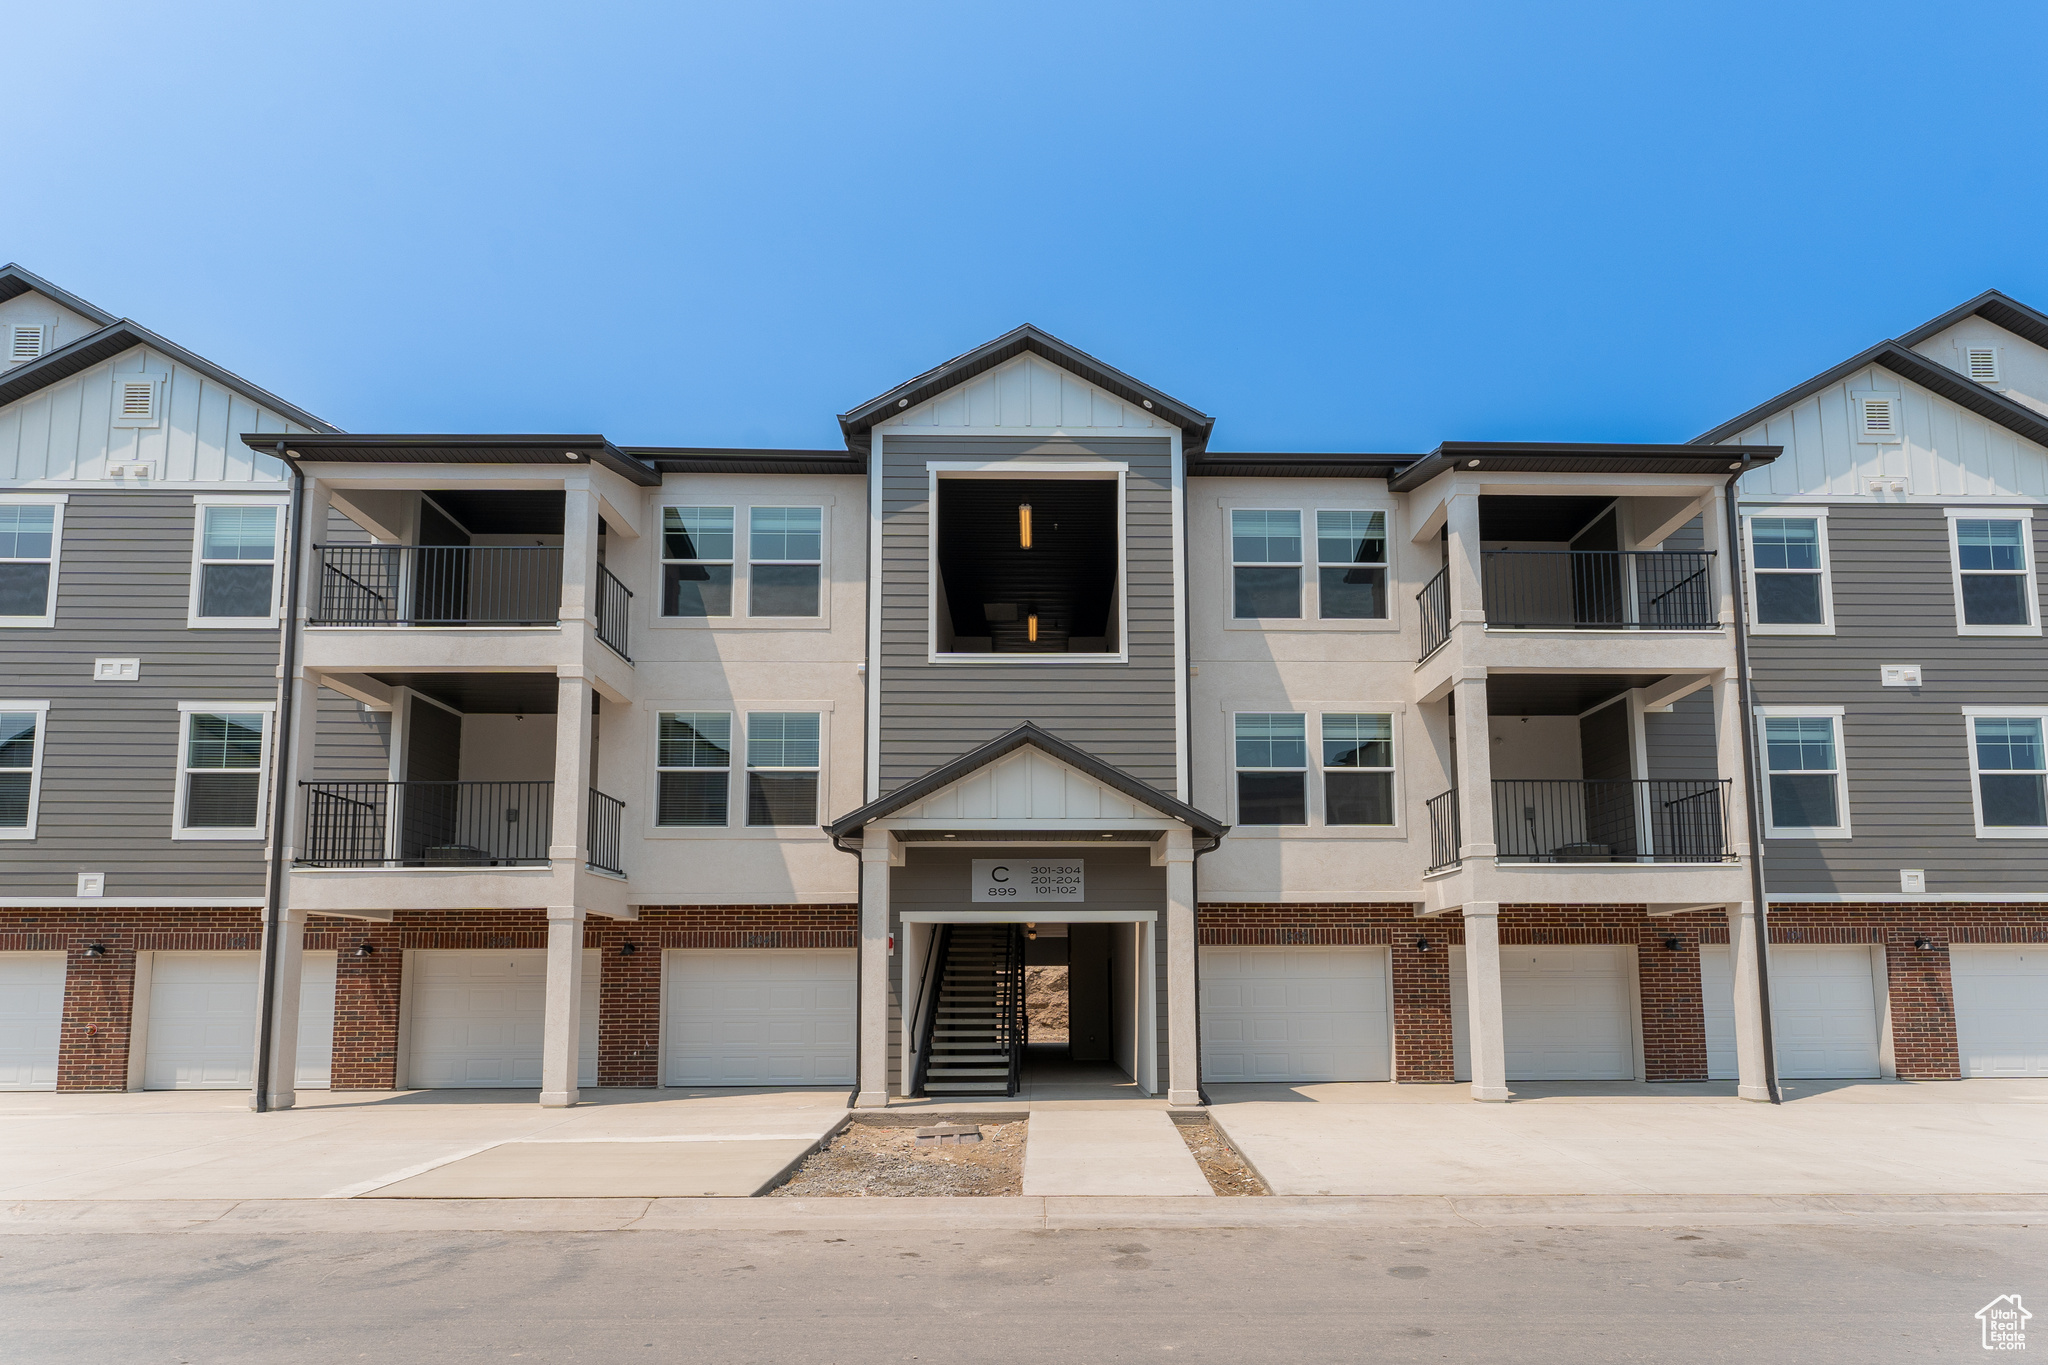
(1807,833)
(27,622)
(1005,660)
(19,835)
(252,836)
(1791,630)
(758,833)
(231,623)
(1305,625)
(740,623)
(1998,630)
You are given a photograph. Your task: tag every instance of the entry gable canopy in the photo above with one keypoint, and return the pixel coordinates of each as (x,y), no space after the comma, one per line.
(1024,776)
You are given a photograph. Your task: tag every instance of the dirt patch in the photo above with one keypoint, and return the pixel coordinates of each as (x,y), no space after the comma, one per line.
(1045,1003)
(1226,1170)
(874,1159)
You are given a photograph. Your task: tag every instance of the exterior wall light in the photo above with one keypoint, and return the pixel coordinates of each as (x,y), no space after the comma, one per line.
(366,949)
(1471,464)
(1421,945)
(95,950)
(1023,525)
(1030,931)
(1031,627)
(628,949)
(1923,943)
(1674,944)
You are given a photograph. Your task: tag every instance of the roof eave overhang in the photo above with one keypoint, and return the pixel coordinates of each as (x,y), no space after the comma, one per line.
(1548,458)
(719,460)
(1270,464)
(467,448)
(14,282)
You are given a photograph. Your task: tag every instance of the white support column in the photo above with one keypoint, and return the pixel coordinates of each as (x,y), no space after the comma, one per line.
(1483,1023)
(562,1028)
(874,971)
(1475,770)
(1467,585)
(579,555)
(1714,537)
(1183,1026)
(568,835)
(300,758)
(316,500)
(288,961)
(1744,946)
(1728,759)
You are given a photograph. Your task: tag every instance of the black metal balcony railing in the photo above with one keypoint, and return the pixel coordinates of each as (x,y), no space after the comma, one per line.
(426,824)
(1443,830)
(1611,821)
(1600,589)
(439,585)
(613,600)
(1435,603)
(607,822)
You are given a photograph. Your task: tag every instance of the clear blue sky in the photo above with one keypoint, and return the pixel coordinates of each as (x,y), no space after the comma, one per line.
(1333,227)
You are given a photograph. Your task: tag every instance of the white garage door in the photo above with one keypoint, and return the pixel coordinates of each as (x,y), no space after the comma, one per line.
(202,1021)
(1824,1009)
(2001,996)
(31,1019)
(477,1016)
(1717,999)
(1295,1014)
(1568,1013)
(758,1016)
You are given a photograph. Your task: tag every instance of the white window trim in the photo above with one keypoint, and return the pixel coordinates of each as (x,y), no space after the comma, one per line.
(2025,516)
(1772,829)
(157,380)
(1970,718)
(749,766)
(823,517)
(261,829)
(1300,565)
(1311,620)
(53,500)
(202,501)
(1027,469)
(742,584)
(1818,515)
(1318,827)
(735,826)
(1319,796)
(1307,769)
(35,774)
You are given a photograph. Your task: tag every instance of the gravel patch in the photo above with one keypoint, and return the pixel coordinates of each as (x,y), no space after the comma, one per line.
(1228,1172)
(876,1159)
(1045,1003)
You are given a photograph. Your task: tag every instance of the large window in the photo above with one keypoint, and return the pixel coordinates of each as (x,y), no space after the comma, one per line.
(2011,770)
(21,754)
(1358,769)
(1351,566)
(1265,557)
(782,768)
(1272,769)
(221,774)
(28,561)
(1994,574)
(785,558)
(236,568)
(696,561)
(693,758)
(1788,563)
(1803,757)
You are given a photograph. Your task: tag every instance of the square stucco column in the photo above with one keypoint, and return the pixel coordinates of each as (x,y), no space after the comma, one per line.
(874,971)
(1483,1026)
(567,835)
(1461,542)
(1475,769)
(1183,1025)
(561,1030)
(289,964)
(1743,948)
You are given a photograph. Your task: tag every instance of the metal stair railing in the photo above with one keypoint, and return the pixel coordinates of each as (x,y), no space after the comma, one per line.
(928,1007)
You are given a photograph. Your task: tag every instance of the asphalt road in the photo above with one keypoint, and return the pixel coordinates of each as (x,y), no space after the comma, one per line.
(1617,1294)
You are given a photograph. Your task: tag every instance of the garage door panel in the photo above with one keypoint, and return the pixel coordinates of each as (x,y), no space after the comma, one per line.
(1567,1013)
(31,1019)
(478,1018)
(759,1016)
(1295,1014)
(1824,1011)
(2001,1003)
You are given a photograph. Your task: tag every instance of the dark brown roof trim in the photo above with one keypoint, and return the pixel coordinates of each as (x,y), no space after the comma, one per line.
(742,460)
(94,347)
(1288,465)
(916,790)
(1195,426)
(1931,375)
(1580,458)
(14,282)
(340,448)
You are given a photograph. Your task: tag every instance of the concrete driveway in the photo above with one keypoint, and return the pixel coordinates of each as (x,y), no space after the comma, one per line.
(1871,1137)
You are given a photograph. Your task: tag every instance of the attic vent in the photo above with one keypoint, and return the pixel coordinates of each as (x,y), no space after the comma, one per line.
(26,341)
(1879,417)
(1981,363)
(135,399)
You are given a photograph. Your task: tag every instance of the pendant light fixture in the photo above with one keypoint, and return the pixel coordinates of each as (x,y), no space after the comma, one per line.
(1023,525)
(1031,627)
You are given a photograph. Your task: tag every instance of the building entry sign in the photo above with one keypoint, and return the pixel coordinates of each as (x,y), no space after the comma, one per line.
(1016,880)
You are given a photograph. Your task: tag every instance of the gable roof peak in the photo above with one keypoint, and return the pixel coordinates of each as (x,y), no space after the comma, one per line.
(15,281)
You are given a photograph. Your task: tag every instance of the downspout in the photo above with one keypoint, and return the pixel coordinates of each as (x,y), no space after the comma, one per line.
(1747,698)
(860,887)
(280,795)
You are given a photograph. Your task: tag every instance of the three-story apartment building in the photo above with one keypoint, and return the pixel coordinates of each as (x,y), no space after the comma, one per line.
(536,761)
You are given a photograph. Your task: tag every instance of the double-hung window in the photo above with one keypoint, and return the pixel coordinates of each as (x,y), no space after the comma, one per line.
(235,573)
(1351,566)
(30,530)
(21,762)
(222,756)
(693,762)
(785,558)
(1272,768)
(696,561)
(1358,769)
(2010,765)
(1265,558)
(782,768)
(1788,565)
(1804,791)
(1994,572)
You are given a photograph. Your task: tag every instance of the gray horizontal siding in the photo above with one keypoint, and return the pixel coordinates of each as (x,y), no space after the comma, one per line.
(350,741)
(1908,764)
(111,751)
(933,713)
(1691,536)
(1680,743)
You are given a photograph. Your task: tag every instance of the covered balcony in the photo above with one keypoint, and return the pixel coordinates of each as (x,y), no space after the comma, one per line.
(446,824)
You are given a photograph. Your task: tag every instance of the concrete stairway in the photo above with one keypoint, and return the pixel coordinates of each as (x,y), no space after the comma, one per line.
(969,1055)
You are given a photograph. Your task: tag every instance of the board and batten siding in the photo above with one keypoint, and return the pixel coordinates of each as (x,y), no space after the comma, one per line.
(932,713)
(110,757)
(1906,748)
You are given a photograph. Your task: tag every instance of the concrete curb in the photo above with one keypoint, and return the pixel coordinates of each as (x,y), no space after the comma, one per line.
(268,1217)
